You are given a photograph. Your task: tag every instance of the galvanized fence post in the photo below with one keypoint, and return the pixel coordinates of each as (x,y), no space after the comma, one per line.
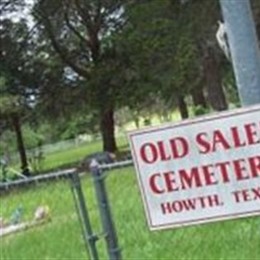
(89,237)
(105,212)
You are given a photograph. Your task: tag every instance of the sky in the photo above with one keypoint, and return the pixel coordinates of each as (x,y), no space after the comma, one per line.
(24,13)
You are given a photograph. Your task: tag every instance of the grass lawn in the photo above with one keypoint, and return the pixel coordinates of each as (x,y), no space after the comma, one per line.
(71,157)
(66,157)
(61,238)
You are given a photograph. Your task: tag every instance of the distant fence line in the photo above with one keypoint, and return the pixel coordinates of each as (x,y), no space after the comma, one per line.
(59,146)
(5,186)
(55,147)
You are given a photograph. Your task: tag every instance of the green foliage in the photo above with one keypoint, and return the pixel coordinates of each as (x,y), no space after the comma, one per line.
(31,137)
(162,51)
(199,110)
(79,125)
(36,161)
(85,57)
(8,142)
(231,89)
(9,104)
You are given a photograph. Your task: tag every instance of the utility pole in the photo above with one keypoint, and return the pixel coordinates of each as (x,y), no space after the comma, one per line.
(244,48)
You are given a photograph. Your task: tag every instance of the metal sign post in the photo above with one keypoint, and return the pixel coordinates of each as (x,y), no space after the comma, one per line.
(244,48)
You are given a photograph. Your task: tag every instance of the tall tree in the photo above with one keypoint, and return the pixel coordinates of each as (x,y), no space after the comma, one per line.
(207,14)
(175,49)
(161,53)
(15,87)
(78,31)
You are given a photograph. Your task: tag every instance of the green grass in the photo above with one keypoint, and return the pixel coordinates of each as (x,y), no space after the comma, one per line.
(61,238)
(76,154)
(61,158)
(53,240)
(73,156)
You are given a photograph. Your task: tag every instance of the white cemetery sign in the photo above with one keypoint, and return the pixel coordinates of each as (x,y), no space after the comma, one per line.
(200,170)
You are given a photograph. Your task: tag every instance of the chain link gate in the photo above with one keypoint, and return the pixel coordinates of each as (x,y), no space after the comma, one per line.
(49,191)
(109,231)
(38,218)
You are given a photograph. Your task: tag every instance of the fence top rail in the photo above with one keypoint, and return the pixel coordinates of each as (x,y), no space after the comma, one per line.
(115,165)
(60,174)
(39,178)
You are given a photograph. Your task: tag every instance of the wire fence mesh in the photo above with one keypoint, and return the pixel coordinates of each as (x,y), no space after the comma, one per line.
(59,235)
(39,221)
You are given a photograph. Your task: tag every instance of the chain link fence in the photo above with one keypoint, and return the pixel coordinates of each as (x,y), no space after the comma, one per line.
(76,216)
(39,220)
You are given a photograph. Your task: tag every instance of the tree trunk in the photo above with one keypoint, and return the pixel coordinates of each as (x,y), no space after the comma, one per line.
(198,97)
(137,122)
(20,144)
(183,107)
(107,127)
(211,70)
